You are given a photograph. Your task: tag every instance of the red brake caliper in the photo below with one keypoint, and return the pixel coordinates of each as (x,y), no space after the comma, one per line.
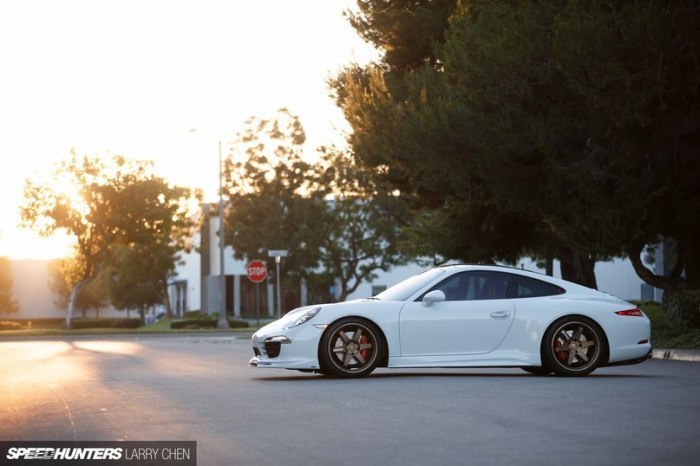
(560,354)
(364,352)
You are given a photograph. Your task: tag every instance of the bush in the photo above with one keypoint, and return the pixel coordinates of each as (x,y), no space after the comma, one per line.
(205,323)
(106,323)
(192,323)
(683,308)
(41,323)
(233,323)
(10,325)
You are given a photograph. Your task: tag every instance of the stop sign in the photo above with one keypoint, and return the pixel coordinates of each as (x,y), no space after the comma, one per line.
(257,271)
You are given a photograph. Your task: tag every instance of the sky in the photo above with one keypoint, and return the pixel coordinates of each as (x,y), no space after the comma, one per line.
(163,80)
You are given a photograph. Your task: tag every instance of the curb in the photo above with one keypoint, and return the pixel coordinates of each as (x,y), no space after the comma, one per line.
(677,355)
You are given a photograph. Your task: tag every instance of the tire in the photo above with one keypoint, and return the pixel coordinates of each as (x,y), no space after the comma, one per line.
(537,370)
(350,347)
(573,346)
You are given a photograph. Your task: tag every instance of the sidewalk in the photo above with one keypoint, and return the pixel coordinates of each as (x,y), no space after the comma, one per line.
(677,355)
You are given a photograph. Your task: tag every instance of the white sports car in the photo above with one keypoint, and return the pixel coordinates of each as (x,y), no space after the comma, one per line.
(461,316)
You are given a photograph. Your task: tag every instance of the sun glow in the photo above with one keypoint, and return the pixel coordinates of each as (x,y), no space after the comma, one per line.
(134,78)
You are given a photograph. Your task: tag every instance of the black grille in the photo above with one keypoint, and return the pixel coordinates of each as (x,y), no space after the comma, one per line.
(256,351)
(272,348)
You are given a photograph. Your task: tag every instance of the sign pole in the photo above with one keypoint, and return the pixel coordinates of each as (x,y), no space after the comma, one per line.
(257,305)
(277,278)
(257,273)
(278,254)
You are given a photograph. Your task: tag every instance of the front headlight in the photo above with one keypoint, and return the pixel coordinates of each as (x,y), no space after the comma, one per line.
(307,315)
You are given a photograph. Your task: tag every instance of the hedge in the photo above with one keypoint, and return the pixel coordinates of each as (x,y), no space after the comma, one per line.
(106,323)
(203,323)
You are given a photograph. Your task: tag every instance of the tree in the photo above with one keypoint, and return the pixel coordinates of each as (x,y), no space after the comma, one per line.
(326,214)
(408,31)
(8,304)
(639,75)
(565,129)
(159,227)
(362,233)
(64,274)
(105,205)
(271,205)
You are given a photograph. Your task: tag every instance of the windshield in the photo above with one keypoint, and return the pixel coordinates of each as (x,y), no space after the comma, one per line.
(407,288)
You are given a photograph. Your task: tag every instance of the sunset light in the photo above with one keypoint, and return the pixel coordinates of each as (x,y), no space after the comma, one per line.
(158,80)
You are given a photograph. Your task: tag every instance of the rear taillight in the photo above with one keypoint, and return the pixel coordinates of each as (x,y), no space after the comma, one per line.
(636,312)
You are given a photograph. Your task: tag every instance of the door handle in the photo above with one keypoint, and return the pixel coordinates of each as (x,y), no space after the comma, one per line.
(500,314)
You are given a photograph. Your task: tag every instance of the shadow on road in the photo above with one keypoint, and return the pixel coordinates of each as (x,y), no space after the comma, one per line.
(428,375)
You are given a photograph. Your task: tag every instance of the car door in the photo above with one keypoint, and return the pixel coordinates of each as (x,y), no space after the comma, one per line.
(474,318)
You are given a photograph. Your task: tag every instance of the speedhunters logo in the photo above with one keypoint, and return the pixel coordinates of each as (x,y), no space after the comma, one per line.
(99,453)
(38,453)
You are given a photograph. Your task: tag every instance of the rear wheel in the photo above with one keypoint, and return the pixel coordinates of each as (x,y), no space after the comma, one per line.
(350,348)
(573,346)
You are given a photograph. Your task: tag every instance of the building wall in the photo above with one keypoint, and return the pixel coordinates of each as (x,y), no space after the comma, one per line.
(30,286)
(616,277)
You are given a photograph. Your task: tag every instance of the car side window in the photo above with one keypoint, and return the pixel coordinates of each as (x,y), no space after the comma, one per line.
(526,287)
(469,286)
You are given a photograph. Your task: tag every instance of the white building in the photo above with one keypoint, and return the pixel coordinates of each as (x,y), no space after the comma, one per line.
(197,286)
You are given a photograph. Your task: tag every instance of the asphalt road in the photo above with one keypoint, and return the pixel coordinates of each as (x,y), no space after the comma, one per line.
(201,388)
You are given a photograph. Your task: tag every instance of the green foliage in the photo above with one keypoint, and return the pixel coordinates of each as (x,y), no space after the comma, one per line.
(361,233)
(106,323)
(271,205)
(559,129)
(8,304)
(683,309)
(10,325)
(408,31)
(64,274)
(329,214)
(106,207)
(204,323)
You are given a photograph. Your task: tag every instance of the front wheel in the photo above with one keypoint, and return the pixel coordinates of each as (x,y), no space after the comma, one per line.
(350,348)
(573,346)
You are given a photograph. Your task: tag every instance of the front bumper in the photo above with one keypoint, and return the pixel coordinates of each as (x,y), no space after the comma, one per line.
(297,348)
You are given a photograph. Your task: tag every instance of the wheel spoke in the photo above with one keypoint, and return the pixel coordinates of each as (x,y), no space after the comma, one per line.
(559,349)
(587,343)
(339,349)
(348,360)
(365,346)
(356,336)
(564,336)
(581,354)
(344,337)
(578,334)
(572,357)
(360,359)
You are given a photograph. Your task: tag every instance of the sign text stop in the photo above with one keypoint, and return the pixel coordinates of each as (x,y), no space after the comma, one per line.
(257,271)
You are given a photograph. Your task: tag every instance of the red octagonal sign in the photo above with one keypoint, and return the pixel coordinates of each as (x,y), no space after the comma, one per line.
(257,271)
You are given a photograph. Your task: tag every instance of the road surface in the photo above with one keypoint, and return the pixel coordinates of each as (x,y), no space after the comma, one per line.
(201,388)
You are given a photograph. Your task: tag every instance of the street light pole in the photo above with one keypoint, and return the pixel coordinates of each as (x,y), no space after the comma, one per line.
(223,320)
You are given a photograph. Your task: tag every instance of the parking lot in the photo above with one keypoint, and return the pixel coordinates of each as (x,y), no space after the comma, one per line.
(201,388)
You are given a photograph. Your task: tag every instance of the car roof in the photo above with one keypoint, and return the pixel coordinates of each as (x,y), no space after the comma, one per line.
(567,285)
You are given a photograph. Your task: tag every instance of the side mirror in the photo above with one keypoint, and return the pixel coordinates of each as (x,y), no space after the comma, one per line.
(434,296)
